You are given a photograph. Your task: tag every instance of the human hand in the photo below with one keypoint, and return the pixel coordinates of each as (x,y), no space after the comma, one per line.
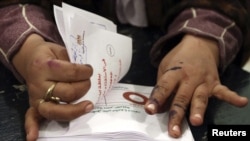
(187,78)
(43,64)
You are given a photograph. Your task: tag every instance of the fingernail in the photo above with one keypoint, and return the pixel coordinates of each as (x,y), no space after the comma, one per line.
(176,129)
(198,116)
(89,108)
(197,119)
(244,98)
(88,65)
(151,108)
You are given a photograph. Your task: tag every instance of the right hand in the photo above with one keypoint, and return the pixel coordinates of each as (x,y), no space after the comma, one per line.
(187,78)
(42,64)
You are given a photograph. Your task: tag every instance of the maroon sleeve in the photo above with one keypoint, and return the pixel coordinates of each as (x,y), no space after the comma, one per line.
(17,22)
(205,23)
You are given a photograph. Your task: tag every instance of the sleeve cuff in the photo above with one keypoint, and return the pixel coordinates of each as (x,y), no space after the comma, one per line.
(18,22)
(205,23)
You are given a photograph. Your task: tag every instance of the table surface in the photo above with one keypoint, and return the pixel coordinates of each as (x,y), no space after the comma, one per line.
(14,99)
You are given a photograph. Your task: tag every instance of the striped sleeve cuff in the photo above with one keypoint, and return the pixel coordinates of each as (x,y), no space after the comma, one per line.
(17,23)
(204,23)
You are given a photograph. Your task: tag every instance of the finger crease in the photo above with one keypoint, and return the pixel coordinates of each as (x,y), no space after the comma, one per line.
(202,99)
(173,68)
(162,90)
(179,106)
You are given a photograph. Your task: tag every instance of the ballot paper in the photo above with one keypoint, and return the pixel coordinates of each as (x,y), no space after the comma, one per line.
(118,114)
(92,39)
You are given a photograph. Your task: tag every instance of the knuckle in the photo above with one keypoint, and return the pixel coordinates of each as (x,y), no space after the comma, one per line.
(159,94)
(199,108)
(219,90)
(180,103)
(182,99)
(179,106)
(160,90)
(36,63)
(202,98)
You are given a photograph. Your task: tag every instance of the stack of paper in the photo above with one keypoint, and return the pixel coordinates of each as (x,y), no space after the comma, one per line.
(91,39)
(119,116)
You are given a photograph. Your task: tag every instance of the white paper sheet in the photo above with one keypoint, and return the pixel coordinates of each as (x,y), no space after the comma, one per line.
(117,116)
(91,39)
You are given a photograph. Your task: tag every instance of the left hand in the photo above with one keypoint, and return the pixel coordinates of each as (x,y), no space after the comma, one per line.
(51,79)
(187,78)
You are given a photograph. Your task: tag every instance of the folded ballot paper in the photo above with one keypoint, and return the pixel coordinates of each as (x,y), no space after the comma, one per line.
(118,114)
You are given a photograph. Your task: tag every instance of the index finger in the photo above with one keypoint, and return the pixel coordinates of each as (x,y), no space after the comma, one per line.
(60,70)
(161,92)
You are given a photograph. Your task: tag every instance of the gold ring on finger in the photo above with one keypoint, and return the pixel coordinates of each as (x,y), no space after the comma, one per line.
(49,95)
